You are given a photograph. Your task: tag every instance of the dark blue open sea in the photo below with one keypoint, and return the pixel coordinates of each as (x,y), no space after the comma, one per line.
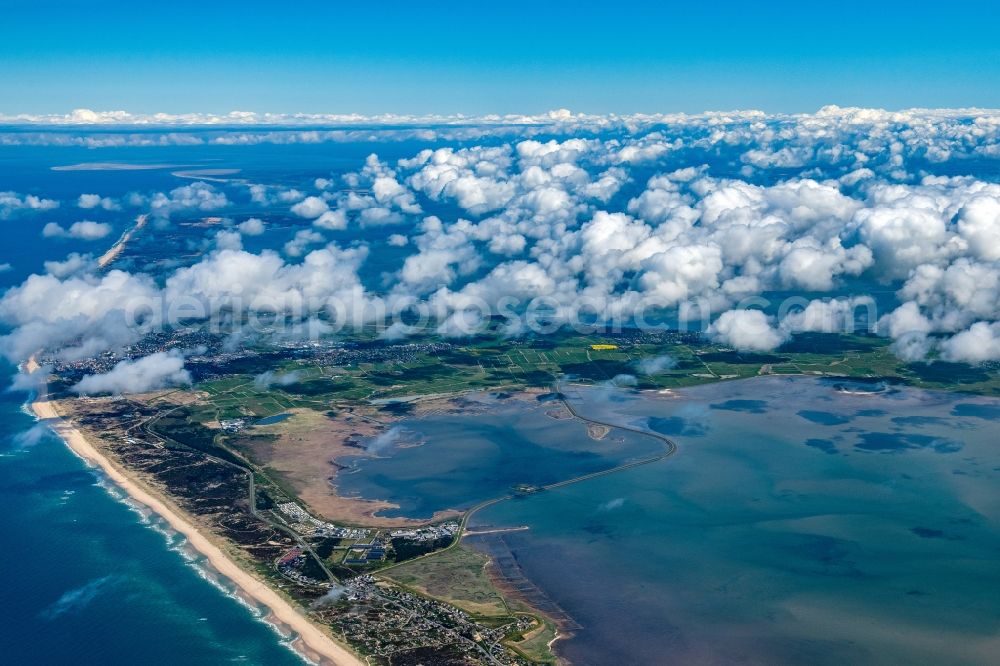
(797,523)
(86,578)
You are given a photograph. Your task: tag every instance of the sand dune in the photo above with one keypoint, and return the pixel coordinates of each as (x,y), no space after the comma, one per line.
(313,642)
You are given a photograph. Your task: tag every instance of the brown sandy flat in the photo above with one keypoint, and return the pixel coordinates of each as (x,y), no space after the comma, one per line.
(303,457)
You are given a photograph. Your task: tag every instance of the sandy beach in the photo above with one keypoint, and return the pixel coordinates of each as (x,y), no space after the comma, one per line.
(119,245)
(313,642)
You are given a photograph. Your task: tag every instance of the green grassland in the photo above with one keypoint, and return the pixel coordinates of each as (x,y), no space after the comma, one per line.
(458,576)
(537,362)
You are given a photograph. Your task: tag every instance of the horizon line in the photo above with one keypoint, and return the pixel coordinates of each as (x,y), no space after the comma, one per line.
(83,117)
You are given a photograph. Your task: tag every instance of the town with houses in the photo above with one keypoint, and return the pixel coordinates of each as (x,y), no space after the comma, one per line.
(360,546)
(385,620)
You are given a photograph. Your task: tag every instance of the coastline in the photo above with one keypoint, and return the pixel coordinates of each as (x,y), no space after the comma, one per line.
(312,642)
(119,245)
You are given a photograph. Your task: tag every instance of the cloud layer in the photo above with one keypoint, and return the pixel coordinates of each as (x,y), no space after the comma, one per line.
(563,217)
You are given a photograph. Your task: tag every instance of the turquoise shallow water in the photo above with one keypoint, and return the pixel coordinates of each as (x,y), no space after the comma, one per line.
(795,524)
(87,579)
(800,521)
(464,459)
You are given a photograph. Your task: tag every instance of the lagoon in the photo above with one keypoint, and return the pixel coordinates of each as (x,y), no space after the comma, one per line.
(800,521)
(454,461)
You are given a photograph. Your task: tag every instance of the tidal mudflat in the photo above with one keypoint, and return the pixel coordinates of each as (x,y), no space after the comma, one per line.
(800,521)
(456,460)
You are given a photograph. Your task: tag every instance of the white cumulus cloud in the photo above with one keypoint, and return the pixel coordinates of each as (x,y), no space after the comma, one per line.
(156,371)
(746,330)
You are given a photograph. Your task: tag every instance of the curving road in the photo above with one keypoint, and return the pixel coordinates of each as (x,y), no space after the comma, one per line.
(669,450)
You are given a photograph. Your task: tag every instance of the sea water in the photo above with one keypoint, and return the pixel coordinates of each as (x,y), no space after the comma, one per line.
(796,522)
(87,578)
(800,521)
(454,461)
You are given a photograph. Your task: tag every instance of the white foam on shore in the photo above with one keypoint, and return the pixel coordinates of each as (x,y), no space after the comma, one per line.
(178,543)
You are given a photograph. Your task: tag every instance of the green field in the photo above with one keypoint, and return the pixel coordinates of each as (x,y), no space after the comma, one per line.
(458,576)
(537,362)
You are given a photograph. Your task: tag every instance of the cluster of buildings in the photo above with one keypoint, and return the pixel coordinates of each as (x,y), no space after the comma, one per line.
(197,343)
(350,353)
(665,337)
(429,533)
(363,545)
(207,354)
(308,525)
(357,553)
(365,553)
(383,620)
(233,425)
(290,564)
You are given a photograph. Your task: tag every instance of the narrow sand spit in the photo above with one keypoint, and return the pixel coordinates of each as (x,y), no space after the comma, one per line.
(120,244)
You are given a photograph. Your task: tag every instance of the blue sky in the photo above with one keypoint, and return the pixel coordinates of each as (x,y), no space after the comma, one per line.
(476,58)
